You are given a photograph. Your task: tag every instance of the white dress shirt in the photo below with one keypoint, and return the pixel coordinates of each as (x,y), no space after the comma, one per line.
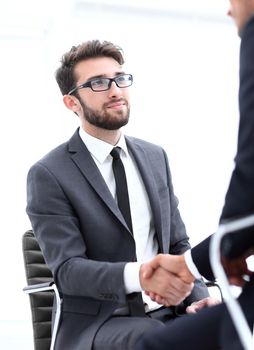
(142,218)
(191,266)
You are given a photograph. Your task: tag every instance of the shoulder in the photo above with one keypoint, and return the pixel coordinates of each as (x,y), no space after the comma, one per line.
(150,151)
(53,156)
(145,145)
(247,42)
(248,28)
(60,154)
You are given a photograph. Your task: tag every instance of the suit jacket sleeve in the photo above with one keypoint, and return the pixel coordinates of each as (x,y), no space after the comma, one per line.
(54,220)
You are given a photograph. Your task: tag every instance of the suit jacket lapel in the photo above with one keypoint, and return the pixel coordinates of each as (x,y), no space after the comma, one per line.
(145,169)
(83,160)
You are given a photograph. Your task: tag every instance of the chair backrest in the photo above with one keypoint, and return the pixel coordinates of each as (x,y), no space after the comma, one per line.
(42,302)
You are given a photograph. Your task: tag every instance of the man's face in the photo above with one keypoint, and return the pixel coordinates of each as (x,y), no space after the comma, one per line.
(104,109)
(241,11)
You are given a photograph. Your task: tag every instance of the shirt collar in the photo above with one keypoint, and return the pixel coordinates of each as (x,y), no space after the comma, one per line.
(101,149)
(122,143)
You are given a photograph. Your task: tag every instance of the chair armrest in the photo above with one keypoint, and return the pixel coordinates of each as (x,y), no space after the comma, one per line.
(39,287)
(47,286)
(233,305)
(213,284)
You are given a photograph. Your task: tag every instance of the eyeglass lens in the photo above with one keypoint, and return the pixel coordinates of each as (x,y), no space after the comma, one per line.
(105,83)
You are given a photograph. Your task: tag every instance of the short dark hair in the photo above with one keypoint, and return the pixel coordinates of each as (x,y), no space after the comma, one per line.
(90,49)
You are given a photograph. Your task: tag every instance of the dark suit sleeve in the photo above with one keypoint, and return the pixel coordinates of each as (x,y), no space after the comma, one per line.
(200,256)
(57,229)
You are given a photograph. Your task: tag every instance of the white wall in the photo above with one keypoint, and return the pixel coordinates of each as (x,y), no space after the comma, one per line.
(185,66)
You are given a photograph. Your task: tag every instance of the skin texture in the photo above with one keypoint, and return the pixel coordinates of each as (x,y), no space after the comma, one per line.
(102,114)
(241,11)
(171,289)
(175,265)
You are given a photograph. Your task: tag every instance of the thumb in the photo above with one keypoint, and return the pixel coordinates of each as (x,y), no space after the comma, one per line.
(147,271)
(151,266)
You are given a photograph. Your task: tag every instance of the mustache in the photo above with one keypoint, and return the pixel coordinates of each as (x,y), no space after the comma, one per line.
(116,100)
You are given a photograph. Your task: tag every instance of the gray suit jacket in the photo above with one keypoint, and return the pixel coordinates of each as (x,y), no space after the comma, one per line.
(84,238)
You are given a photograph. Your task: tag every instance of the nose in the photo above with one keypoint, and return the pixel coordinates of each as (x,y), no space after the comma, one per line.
(229,13)
(114,90)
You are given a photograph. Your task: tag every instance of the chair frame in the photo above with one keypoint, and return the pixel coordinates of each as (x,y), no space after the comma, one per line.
(234,308)
(42,287)
(51,286)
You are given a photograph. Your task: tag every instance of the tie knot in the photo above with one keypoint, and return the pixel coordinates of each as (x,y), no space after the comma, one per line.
(115,153)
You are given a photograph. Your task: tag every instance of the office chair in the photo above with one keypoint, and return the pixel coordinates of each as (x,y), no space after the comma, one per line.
(42,291)
(234,308)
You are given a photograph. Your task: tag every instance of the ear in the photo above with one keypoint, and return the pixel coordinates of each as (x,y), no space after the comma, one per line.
(72,103)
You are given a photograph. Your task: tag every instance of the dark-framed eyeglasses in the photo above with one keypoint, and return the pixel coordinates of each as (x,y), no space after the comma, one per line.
(104,84)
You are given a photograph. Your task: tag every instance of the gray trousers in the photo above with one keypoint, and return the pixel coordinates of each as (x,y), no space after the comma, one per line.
(123,332)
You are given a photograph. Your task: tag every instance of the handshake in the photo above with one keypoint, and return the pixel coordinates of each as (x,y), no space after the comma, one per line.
(166,279)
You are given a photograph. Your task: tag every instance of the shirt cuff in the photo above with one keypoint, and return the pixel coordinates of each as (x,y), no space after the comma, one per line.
(131,277)
(190,264)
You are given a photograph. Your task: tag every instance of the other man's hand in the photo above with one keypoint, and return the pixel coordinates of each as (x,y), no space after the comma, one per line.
(201,304)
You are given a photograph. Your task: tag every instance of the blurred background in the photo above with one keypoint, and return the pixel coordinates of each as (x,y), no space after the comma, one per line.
(183,55)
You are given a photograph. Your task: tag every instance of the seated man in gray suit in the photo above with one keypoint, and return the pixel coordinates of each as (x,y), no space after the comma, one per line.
(92,249)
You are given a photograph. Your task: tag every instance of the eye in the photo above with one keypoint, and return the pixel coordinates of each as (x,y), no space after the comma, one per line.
(122,78)
(99,82)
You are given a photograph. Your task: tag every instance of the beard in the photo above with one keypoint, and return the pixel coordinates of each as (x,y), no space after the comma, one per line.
(104,119)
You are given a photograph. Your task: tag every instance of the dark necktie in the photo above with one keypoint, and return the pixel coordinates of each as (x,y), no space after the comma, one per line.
(135,300)
(121,186)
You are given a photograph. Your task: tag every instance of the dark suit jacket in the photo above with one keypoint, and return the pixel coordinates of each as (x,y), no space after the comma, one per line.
(84,238)
(239,199)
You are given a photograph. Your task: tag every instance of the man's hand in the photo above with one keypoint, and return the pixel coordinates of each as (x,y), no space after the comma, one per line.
(237,269)
(166,279)
(201,304)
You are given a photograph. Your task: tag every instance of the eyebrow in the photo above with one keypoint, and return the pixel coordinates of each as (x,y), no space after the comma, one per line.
(104,76)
